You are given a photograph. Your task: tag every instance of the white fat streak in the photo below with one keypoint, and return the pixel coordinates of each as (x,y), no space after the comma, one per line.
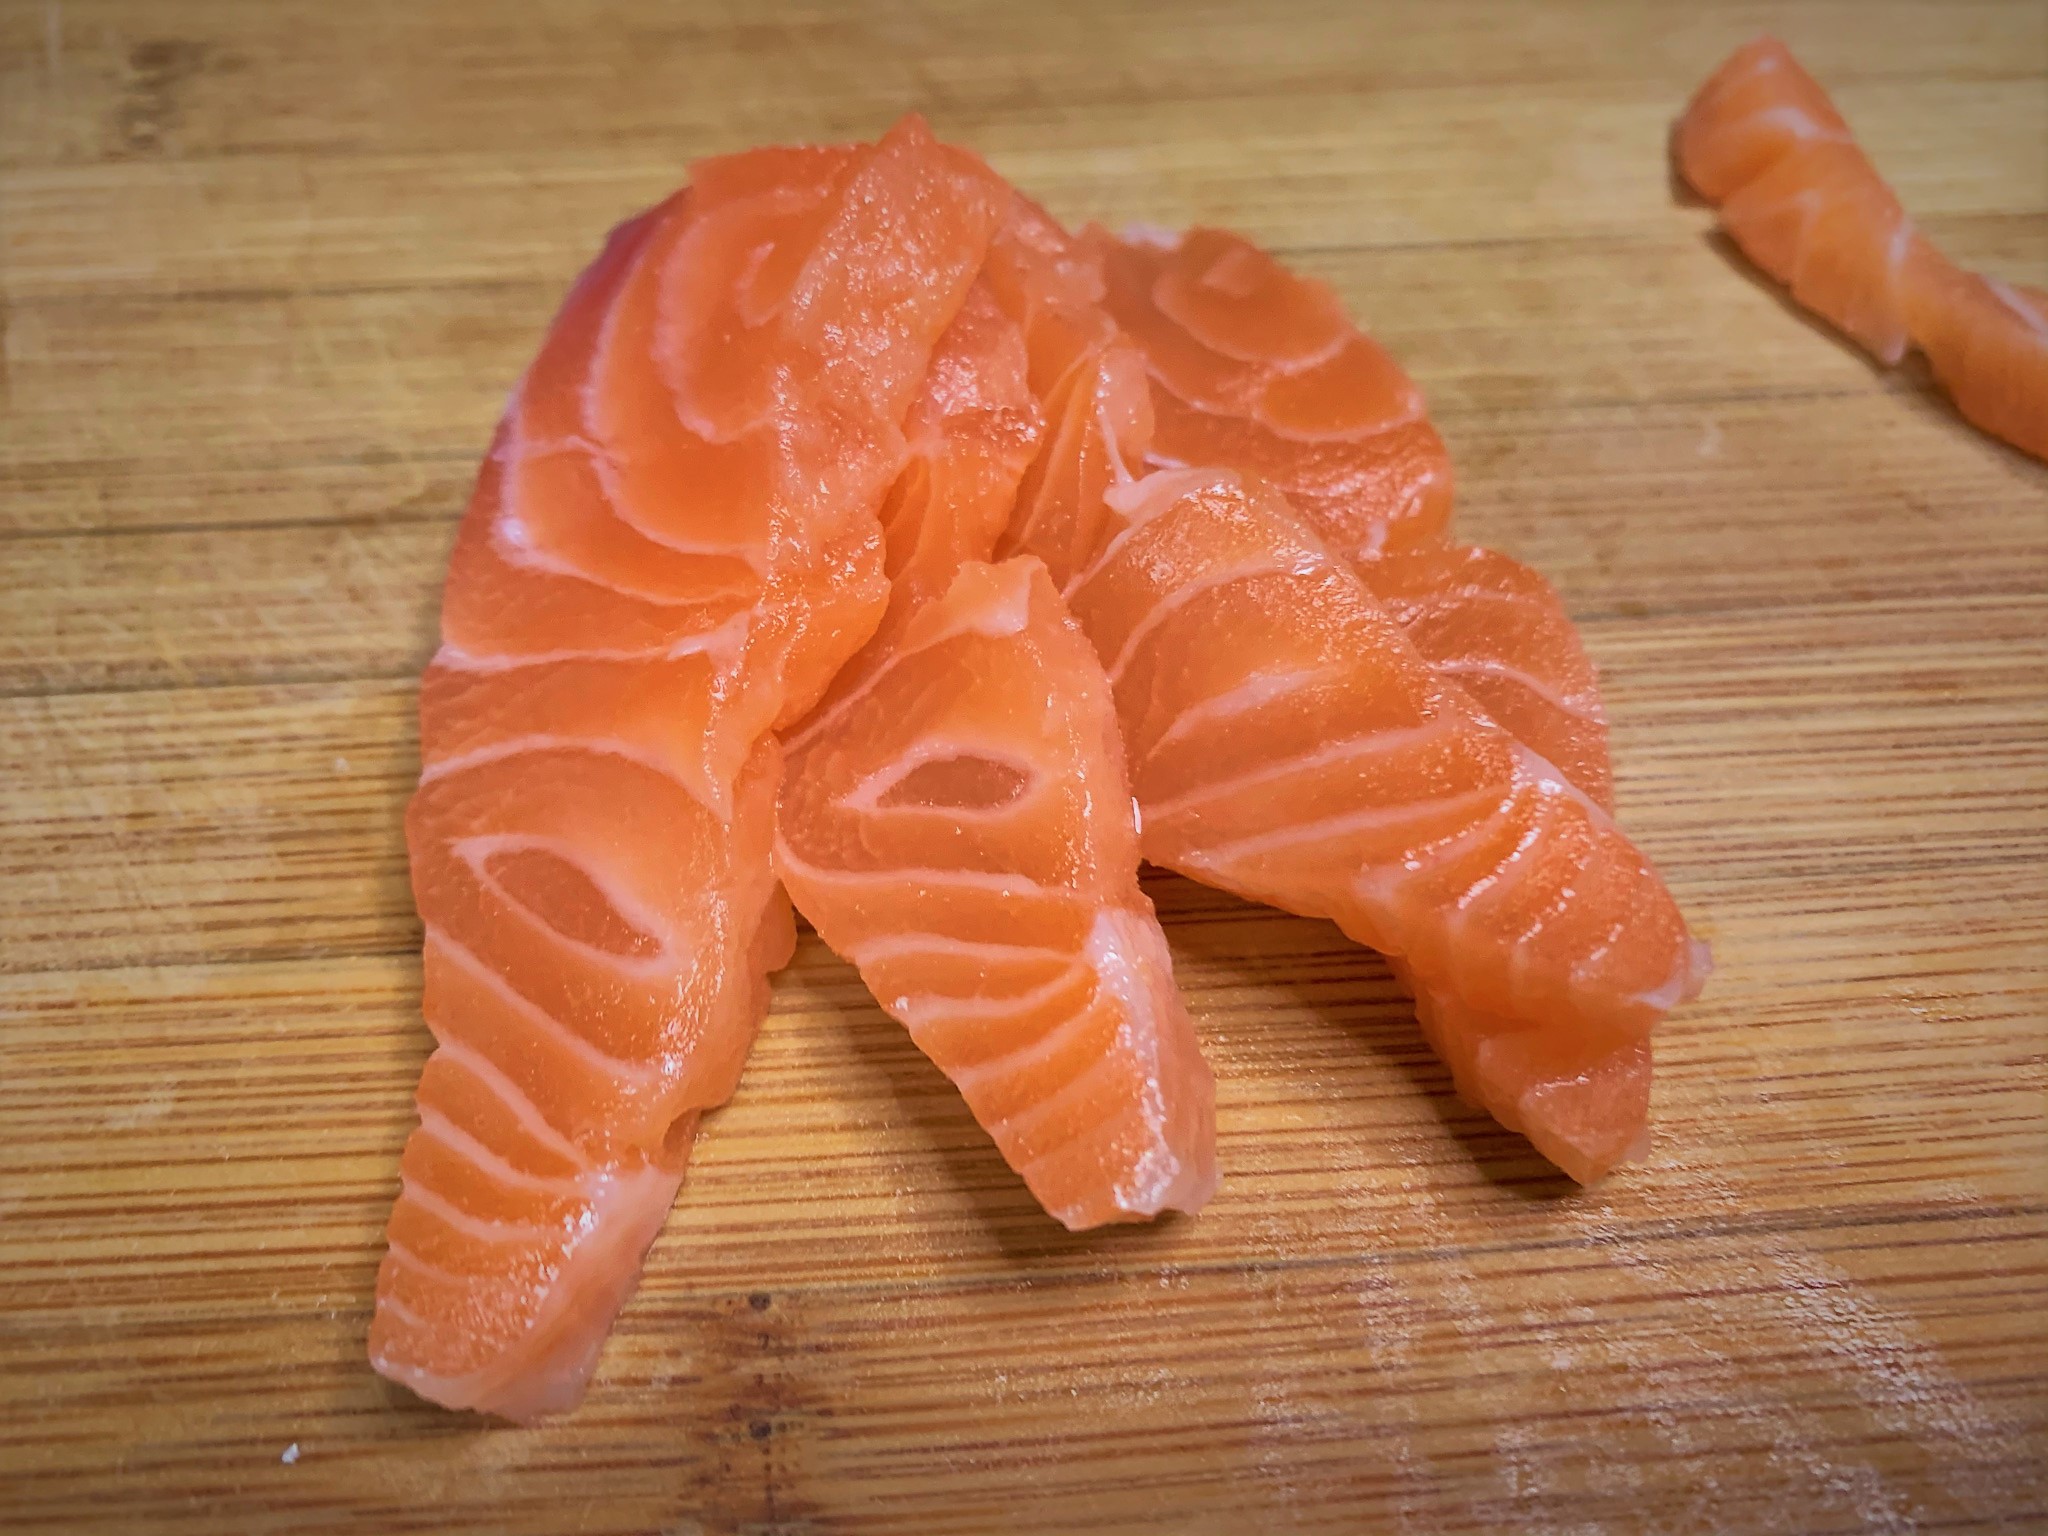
(1022,1058)
(398,1309)
(435,1123)
(1259,688)
(1146,497)
(898,946)
(1005,617)
(438,1273)
(1372,744)
(723,643)
(1040,1110)
(2032,318)
(1375,886)
(1580,707)
(477,851)
(1138,502)
(451,1215)
(1178,597)
(920,1009)
(1367,818)
(630,1073)
(515,538)
(1118,470)
(996,883)
(467,1058)
(866,795)
(1798,122)
(514,541)
(1534,770)
(521,746)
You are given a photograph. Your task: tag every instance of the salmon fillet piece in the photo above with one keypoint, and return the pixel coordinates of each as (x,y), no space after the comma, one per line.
(1987,342)
(962,830)
(1289,744)
(673,547)
(1289,740)
(1762,142)
(1256,368)
(956,822)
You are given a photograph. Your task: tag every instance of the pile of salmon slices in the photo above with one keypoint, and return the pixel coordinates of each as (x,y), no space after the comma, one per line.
(862,539)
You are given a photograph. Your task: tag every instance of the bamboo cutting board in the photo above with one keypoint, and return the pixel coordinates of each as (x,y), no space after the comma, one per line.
(268,270)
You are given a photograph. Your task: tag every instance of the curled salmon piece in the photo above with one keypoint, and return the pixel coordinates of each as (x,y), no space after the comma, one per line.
(1257,368)
(672,549)
(1271,689)
(1762,142)
(962,830)
(956,821)
(1289,743)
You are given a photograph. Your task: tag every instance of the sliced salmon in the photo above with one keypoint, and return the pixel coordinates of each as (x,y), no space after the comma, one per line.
(1762,141)
(673,547)
(1582,1099)
(956,822)
(597,944)
(1260,642)
(961,829)
(1255,368)
(1289,743)
(1310,755)
(1258,369)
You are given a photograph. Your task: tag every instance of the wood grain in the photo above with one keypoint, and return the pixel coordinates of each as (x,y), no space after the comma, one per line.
(268,269)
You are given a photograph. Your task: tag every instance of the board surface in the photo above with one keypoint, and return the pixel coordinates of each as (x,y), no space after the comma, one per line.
(268,269)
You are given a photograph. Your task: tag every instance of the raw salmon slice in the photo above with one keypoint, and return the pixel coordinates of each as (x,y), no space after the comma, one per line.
(1287,742)
(576,905)
(1578,1088)
(673,546)
(1258,369)
(962,830)
(1762,141)
(956,822)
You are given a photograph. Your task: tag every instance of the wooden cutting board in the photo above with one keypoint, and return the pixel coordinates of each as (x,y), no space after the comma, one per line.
(269,270)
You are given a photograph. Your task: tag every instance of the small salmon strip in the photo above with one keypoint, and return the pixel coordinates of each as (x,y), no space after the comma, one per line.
(1764,144)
